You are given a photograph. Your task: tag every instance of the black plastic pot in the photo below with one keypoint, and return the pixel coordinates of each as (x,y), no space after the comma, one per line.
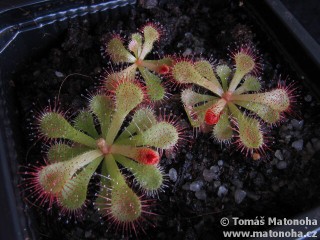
(289,36)
(24,30)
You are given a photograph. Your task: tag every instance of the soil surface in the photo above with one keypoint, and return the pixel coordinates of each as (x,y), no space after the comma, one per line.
(206,180)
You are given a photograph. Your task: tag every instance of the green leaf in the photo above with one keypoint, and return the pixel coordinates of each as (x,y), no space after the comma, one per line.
(112,80)
(142,119)
(191,98)
(128,96)
(161,135)
(249,129)
(277,99)
(118,52)
(128,90)
(125,205)
(222,131)
(53,177)
(266,113)
(251,83)
(54,125)
(205,69)
(74,193)
(184,72)
(223,72)
(244,64)
(60,152)
(151,35)
(155,90)
(102,106)
(84,122)
(103,198)
(135,44)
(149,177)
(250,133)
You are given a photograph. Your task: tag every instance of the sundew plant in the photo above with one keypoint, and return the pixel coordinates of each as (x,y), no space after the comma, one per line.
(235,106)
(70,164)
(134,55)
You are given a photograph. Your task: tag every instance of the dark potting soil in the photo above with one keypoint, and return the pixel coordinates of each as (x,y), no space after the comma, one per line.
(206,180)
